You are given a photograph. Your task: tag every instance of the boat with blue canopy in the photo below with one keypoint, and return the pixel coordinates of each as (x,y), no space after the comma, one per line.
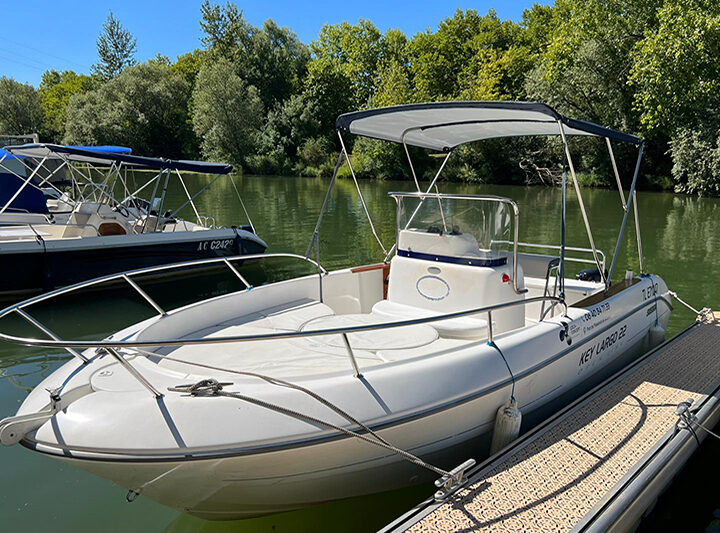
(70,213)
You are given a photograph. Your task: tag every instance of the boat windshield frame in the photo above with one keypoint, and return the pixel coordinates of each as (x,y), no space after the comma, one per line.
(472,197)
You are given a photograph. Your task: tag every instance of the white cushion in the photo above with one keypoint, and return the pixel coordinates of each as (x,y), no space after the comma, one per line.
(400,338)
(466,327)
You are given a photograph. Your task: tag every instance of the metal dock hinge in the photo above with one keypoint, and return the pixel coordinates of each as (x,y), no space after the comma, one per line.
(453,480)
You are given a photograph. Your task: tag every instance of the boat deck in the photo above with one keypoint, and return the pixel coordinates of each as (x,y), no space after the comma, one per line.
(564,474)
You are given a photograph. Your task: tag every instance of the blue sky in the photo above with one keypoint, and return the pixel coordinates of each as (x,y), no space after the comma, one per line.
(46,34)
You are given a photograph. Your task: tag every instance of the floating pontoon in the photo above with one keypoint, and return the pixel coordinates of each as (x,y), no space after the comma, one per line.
(358,380)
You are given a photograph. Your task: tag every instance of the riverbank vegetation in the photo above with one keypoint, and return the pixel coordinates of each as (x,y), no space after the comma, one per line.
(262,99)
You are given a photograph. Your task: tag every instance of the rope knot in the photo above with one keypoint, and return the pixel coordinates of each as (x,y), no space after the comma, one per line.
(204,387)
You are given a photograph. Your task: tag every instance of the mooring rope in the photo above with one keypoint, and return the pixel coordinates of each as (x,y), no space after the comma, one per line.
(512,376)
(211,387)
(214,388)
(705,312)
(687,418)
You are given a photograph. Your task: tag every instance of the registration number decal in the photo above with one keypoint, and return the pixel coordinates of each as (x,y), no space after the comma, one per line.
(214,245)
(650,292)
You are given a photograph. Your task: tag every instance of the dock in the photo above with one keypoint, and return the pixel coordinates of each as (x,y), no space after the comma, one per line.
(600,463)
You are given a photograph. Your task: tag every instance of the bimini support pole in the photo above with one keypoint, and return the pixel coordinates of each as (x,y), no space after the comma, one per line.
(563,229)
(30,169)
(412,167)
(582,204)
(631,200)
(615,171)
(187,193)
(362,198)
(315,239)
(22,187)
(316,232)
(637,232)
(432,184)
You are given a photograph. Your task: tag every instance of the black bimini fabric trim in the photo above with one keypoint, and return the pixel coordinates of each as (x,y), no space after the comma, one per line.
(93,156)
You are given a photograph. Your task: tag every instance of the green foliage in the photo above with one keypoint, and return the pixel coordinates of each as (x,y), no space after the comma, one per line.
(696,160)
(583,69)
(448,62)
(116,48)
(20,109)
(227,113)
(677,66)
(353,52)
(316,158)
(145,107)
(676,77)
(260,98)
(188,65)
(271,58)
(287,128)
(55,91)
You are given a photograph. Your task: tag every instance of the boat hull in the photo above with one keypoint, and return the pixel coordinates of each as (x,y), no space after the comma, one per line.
(34,266)
(239,483)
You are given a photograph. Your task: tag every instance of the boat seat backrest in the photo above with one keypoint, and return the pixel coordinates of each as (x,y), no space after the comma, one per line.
(75,224)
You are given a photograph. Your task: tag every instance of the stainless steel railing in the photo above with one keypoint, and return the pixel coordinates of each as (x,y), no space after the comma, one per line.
(21,307)
(112,346)
(600,253)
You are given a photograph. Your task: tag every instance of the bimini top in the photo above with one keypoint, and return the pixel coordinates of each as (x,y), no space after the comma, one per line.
(4,154)
(445,125)
(104,155)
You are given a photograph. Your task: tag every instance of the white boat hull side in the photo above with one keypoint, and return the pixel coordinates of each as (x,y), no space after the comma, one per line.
(603,338)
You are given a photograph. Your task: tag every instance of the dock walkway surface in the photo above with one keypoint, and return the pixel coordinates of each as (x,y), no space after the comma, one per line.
(573,472)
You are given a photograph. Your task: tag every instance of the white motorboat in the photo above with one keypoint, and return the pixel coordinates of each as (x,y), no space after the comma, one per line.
(56,237)
(308,390)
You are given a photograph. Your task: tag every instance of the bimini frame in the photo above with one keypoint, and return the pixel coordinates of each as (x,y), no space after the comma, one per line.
(116,161)
(443,126)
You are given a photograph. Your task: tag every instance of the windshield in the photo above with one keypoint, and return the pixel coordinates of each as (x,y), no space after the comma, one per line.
(484,223)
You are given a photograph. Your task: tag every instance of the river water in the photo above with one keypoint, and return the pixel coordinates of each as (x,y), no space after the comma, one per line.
(38,493)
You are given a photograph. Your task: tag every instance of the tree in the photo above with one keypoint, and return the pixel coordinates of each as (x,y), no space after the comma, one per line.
(227,113)
(145,107)
(116,49)
(349,63)
(583,70)
(287,128)
(676,68)
(271,58)
(20,109)
(55,90)
(188,65)
(676,73)
(447,62)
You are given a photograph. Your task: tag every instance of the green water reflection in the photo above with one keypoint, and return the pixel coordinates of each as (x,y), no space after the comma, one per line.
(679,240)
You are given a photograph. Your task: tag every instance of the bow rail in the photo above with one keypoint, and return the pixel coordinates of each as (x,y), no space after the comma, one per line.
(269,336)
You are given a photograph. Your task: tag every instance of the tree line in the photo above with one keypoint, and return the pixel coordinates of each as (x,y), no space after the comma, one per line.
(263,100)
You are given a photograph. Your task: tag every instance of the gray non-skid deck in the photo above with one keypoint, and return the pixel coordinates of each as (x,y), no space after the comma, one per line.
(559,476)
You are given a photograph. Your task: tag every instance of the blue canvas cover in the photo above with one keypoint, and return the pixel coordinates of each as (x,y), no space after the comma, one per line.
(30,199)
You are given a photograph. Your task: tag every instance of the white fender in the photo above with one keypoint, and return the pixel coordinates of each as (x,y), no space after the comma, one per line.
(507,426)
